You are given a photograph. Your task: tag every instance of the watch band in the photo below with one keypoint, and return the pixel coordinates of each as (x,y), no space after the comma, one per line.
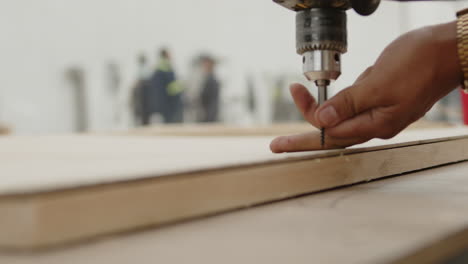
(462,42)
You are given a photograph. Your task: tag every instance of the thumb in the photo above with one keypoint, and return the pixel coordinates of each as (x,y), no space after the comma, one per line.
(344,105)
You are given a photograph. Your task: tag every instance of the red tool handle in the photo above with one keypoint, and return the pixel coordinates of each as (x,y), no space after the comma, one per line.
(464,97)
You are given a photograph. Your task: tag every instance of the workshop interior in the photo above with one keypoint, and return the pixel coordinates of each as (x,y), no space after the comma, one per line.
(70,68)
(143,131)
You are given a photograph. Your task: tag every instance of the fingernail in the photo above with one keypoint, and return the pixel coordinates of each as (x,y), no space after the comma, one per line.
(276,145)
(328,116)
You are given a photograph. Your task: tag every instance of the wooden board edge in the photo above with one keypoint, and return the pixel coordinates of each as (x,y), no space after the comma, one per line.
(19,219)
(289,159)
(73,215)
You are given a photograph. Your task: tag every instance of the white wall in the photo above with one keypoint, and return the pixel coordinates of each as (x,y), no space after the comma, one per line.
(39,39)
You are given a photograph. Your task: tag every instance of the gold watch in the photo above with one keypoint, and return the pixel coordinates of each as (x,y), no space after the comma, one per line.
(462,41)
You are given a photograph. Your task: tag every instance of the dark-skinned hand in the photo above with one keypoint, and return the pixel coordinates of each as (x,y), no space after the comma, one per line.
(409,77)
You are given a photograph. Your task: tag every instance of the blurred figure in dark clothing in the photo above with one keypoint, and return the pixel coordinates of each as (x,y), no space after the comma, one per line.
(138,103)
(165,91)
(210,91)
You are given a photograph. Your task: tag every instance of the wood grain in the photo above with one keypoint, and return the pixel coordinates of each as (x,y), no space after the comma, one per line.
(65,196)
(378,222)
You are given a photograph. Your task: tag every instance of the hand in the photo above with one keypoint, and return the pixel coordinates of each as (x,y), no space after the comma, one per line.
(408,78)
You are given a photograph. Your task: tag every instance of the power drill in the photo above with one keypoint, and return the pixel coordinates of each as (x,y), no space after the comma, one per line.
(321,38)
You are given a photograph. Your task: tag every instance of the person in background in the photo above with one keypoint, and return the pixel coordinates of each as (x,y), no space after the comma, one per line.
(166,91)
(138,105)
(209,96)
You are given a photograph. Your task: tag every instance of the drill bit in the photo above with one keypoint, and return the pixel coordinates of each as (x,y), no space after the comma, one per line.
(321,39)
(322,97)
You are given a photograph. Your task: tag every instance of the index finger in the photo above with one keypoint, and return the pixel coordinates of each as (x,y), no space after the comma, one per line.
(311,141)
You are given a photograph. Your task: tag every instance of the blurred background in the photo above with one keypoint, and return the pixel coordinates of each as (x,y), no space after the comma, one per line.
(77,66)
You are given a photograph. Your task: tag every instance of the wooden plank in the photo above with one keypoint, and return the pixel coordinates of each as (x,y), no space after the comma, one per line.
(57,190)
(213,130)
(448,249)
(216,130)
(378,222)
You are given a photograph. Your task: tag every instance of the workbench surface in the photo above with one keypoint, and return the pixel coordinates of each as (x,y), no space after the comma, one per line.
(376,222)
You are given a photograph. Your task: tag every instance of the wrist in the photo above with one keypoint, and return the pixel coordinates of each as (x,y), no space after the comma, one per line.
(462,42)
(444,38)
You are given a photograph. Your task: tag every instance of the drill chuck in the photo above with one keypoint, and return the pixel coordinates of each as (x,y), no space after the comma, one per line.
(321,38)
(321,28)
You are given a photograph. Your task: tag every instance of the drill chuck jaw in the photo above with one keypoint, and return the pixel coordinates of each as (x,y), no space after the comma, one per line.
(321,38)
